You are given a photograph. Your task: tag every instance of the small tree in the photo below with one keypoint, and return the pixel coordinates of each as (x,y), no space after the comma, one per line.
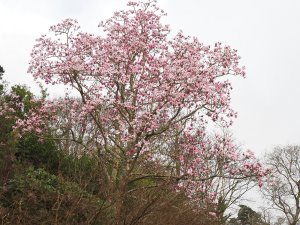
(1,84)
(1,72)
(283,190)
(247,216)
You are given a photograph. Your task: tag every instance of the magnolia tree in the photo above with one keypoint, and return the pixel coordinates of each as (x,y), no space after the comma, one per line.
(139,90)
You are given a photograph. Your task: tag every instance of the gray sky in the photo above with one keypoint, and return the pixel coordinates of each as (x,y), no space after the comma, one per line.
(265,32)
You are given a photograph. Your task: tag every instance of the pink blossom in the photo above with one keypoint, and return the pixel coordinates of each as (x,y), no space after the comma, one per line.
(213,214)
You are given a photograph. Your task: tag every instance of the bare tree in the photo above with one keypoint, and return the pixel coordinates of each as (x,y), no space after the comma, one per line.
(283,190)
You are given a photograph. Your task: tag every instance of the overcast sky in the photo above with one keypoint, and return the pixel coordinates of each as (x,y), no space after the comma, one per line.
(265,32)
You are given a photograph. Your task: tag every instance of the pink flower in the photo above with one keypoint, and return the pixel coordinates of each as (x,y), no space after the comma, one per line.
(213,214)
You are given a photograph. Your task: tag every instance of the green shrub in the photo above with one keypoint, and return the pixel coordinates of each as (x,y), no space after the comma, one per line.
(37,195)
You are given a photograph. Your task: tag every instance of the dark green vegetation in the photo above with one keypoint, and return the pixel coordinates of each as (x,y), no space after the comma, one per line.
(247,216)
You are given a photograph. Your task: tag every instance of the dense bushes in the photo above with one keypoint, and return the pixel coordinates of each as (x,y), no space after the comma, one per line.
(37,195)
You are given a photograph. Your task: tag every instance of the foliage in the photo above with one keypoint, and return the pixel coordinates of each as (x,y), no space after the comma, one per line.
(14,103)
(247,216)
(1,72)
(39,154)
(37,196)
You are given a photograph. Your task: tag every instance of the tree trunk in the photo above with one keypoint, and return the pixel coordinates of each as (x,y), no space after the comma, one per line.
(120,216)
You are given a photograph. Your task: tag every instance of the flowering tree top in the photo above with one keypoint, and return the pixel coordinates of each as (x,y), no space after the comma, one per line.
(149,80)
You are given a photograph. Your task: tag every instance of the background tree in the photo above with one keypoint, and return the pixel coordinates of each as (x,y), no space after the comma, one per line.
(247,216)
(1,84)
(283,190)
(1,72)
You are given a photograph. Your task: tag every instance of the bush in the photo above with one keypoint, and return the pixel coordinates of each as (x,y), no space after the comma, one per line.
(38,154)
(38,196)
